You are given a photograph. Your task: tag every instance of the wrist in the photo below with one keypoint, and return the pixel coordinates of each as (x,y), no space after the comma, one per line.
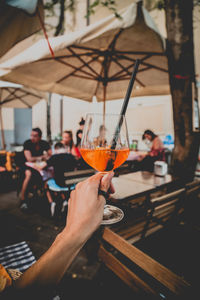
(75,238)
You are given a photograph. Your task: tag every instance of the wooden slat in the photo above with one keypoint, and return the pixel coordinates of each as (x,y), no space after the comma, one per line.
(79,173)
(75,180)
(150,231)
(166,277)
(172,203)
(168,197)
(192,184)
(193,190)
(131,279)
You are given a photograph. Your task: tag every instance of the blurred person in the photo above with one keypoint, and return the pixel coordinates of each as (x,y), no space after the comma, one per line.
(35,149)
(67,140)
(79,133)
(61,161)
(85,213)
(101,140)
(157,152)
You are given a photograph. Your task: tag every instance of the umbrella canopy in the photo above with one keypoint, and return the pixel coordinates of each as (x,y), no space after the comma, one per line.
(17,96)
(17,23)
(97,61)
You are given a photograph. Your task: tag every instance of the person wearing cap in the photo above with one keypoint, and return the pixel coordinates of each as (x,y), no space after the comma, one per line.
(79,132)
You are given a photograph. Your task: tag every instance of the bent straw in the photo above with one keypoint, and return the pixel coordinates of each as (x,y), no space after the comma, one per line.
(125,103)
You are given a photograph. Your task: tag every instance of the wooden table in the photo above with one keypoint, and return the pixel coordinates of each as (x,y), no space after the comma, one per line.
(132,185)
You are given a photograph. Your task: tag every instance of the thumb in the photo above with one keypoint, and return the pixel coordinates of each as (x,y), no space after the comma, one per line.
(106,181)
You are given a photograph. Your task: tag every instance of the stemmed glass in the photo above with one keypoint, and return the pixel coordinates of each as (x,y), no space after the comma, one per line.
(105,146)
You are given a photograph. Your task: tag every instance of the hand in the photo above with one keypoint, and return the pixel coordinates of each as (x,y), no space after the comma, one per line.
(85,206)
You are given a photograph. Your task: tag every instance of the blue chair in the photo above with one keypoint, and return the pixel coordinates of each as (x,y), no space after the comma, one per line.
(60,196)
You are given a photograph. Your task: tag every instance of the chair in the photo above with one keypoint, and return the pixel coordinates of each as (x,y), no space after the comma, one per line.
(60,196)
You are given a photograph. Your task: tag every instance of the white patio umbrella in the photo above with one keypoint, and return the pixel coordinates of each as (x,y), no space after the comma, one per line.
(98,60)
(17,96)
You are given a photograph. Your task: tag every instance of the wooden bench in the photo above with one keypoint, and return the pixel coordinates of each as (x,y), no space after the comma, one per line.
(154,214)
(144,275)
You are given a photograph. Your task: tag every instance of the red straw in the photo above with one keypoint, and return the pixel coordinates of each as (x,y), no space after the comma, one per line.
(45,34)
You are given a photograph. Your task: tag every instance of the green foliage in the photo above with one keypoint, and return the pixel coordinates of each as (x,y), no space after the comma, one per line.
(109,4)
(160,4)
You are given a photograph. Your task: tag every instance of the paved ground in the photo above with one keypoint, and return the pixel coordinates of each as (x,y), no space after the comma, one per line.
(177,249)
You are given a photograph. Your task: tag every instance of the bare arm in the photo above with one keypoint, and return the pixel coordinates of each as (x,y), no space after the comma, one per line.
(29,157)
(157,144)
(85,212)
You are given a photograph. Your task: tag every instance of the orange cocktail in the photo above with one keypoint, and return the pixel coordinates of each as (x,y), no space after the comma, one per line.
(104,159)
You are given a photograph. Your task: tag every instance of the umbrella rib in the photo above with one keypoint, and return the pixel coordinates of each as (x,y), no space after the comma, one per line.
(112,44)
(121,52)
(75,69)
(86,48)
(127,78)
(79,69)
(98,83)
(27,93)
(12,93)
(122,67)
(86,64)
(130,66)
(142,53)
(142,63)
(9,100)
(79,76)
(113,78)
(13,96)
(63,56)
(107,62)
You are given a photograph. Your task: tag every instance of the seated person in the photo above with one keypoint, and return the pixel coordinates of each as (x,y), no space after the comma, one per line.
(61,161)
(67,141)
(146,161)
(34,149)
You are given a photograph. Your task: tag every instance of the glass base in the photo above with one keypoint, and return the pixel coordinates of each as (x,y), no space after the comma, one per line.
(111,215)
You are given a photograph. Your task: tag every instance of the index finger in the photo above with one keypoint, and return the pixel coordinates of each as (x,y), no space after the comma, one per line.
(96,179)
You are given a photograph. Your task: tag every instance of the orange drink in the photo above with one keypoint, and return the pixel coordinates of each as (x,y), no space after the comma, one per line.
(104,159)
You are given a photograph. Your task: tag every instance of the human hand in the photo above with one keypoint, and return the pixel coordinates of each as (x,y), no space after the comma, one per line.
(85,206)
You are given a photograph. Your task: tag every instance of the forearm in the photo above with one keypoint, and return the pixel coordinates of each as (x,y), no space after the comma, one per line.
(50,268)
(34,158)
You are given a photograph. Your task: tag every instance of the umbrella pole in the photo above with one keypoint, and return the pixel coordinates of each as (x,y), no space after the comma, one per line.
(61,115)
(104,98)
(49,119)
(2,131)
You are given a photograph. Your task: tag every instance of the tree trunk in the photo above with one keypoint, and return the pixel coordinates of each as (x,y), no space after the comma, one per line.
(180,53)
